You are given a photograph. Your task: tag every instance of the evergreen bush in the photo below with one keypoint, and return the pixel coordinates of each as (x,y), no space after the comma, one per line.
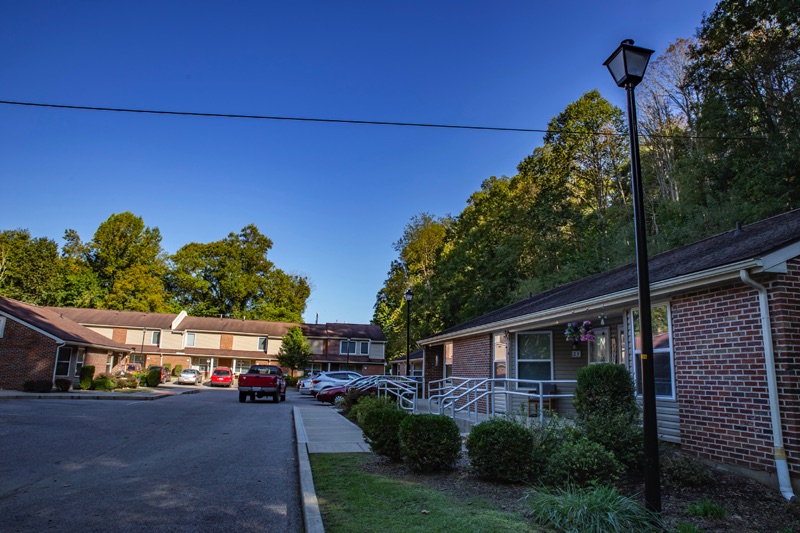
(153,377)
(581,462)
(381,429)
(679,469)
(87,375)
(177,370)
(63,384)
(430,442)
(132,382)
(607,411)
(103,382)
(501,450)
(365,405)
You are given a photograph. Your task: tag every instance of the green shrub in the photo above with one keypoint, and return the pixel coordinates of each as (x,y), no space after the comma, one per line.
(591,509)
(177,370)
(430,442)
(679,469)
(87,375)
(103,382)
(707,509)
(37,385)
(154,377)
(501,450)
(607,412)
(142,377)
(581,463)
(548,434)
(686,527)
(360,410)
(291,381)
(381,427)
(63,384)
(132,382)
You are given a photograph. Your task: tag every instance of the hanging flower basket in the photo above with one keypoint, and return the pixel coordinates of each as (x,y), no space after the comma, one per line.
(576,332)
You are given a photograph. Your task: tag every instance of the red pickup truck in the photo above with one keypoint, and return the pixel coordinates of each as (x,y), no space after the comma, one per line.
(261,381)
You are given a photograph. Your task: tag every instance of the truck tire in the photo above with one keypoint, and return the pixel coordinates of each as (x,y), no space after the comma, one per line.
(283,396)
(276,398)
(242,397)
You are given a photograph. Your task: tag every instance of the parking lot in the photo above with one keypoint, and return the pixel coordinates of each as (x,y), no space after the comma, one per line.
(188,462)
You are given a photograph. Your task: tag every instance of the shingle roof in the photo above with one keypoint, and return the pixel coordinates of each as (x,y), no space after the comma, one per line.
(748,242)
(56,324)
(344,331)
(108,317)
(234,325)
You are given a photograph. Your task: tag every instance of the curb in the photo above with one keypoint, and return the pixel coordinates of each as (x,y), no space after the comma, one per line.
(133,396)
(311,515)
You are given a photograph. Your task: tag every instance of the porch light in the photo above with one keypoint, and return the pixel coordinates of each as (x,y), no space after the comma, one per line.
(627,66)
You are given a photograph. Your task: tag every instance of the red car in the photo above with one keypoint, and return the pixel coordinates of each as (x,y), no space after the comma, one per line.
(358,387)
(222,377)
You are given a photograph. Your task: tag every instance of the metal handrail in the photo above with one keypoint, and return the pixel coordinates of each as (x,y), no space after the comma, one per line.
(469,391)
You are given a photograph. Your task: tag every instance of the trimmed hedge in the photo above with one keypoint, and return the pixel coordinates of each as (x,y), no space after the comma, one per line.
(430,442)
(501,450)
(381,429)
(87,375)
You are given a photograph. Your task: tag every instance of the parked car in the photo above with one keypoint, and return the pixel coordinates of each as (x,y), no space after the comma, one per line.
(332,379)
(222,377)
(130,368)
(165,377)
(190,376)
(304,384)
(356,388)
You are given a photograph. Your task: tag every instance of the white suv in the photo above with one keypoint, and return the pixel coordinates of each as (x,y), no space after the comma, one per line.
(332,379)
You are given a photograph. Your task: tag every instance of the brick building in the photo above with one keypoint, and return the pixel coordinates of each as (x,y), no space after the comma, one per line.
(726,320)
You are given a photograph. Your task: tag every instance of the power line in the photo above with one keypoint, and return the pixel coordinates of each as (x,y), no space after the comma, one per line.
(351,121)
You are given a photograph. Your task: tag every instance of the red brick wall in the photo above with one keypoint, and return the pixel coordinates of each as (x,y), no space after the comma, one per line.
(119,335)
(720,372)
(433,372)
(472,358)
(25,355)
(226,342)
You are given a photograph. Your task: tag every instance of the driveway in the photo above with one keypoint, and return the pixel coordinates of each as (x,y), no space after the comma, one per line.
(192,462)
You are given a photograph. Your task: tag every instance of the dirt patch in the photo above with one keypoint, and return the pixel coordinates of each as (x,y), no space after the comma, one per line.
(751,506)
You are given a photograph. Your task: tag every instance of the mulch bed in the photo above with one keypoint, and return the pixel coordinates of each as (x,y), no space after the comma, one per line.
(751,506)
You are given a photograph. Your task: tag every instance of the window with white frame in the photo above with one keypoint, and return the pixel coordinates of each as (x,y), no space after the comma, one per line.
(190,338)
(155,338)
(662,351)
(347,347)
(79,362)
(242,366)
(364,349)
(534,357)
(62,361)
(262,344)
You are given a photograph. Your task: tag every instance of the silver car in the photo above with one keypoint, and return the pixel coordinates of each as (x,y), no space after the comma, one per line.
(304,384)
(332,379)
(190,376)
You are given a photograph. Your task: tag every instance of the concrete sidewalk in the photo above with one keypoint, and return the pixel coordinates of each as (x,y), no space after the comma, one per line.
(320,429)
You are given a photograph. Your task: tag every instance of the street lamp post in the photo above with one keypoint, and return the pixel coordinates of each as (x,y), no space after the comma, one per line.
(408,296)
(627,66)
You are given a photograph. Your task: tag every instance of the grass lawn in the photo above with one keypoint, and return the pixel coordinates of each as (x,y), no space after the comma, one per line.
(352,500)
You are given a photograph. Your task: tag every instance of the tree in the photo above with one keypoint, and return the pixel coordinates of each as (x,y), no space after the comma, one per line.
(295,352)
(233,277)
(127,258)
(746,64)
(29,267)
(80,285)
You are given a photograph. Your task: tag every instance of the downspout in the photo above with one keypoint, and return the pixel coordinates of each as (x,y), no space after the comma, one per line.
(784,481)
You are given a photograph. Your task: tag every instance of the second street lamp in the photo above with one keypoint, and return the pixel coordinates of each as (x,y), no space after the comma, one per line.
(408,296)
(627,66)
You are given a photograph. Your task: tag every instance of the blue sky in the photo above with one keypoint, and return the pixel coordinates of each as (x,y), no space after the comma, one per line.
(332,197)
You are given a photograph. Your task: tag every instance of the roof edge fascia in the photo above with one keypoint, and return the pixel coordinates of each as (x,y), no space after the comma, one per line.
(658,290)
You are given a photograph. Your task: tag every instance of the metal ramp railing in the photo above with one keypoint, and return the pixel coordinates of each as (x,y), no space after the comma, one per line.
(474,398)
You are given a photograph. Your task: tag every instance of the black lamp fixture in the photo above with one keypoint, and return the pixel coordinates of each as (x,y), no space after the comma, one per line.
(627,65)
(408,296)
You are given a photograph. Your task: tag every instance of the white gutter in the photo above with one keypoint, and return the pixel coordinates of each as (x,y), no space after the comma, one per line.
(784,481)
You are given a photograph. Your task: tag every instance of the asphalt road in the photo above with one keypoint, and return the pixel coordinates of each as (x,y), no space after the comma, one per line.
(193,462)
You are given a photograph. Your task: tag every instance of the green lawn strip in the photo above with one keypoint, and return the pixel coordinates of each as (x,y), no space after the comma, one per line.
(352,500)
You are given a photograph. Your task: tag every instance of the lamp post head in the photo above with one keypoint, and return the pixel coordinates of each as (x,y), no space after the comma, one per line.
(408,295)
(628,63)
